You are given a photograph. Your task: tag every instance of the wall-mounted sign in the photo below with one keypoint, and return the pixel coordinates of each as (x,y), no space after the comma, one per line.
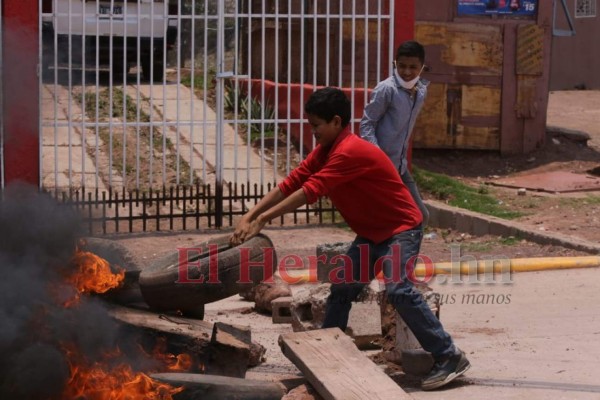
(503,7)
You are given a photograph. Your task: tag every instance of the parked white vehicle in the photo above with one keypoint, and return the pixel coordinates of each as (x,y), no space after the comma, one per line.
(117,33)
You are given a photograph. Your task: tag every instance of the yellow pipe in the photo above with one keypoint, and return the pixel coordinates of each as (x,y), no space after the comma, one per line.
(483,266)
(515,264)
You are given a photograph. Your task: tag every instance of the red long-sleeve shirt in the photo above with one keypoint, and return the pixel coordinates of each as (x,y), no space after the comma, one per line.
(362,183)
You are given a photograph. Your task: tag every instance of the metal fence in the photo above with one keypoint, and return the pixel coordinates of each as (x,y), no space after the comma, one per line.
(198,97)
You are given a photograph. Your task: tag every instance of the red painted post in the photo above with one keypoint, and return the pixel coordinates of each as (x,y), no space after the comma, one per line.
(20,86)
(404,29)
(404,19)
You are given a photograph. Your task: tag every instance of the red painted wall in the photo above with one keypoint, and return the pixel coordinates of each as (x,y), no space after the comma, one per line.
(20,87)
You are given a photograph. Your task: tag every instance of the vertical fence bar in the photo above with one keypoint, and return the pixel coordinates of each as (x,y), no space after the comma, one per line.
(288,138)
(122,73)
(184,208)
(204,89)
(367,23)
(220,116)
(138,106)
(276,100)
(178,113)
(192,23)
(70,95)
(262,92)
(302,72)
(249,91)
(97,105)
(83,94)
(144,211)
(236,89)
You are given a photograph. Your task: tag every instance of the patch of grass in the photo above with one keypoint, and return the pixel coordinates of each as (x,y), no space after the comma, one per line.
(253,110)
(509,241)
(124,107)
(479,247)
(491,244)
(457,194)
(198,81)
(576,202)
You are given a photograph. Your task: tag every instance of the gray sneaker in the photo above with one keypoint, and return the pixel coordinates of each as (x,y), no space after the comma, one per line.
(445,371)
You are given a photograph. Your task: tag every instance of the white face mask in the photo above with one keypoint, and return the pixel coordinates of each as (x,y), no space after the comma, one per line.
(408,84)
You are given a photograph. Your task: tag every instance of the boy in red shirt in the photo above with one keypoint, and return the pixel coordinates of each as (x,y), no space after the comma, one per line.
(365,187)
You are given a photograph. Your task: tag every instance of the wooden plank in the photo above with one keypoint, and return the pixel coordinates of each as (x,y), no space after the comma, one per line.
(463,49)
(480,101)
(530,50)
(336,368)
(214,387)
(229,351)
(191,328)
(460,116)
(511,135)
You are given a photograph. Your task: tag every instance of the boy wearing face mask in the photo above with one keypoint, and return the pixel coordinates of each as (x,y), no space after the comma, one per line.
(390,116)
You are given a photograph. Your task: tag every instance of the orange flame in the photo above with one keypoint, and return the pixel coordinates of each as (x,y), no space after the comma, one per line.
(94,274)
(97,382)
(180,362)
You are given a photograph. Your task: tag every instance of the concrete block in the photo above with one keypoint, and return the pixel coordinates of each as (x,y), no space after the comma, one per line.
(282,312)
(364,323)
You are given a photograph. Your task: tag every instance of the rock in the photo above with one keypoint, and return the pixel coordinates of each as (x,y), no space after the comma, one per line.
(302,392)
(257,354)
(308,307)
(265,293)
(522,192)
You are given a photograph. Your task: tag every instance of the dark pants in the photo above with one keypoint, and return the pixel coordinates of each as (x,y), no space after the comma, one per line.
(393,255)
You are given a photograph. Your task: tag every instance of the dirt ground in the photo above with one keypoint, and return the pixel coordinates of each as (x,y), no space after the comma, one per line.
(535,337)
(574,214)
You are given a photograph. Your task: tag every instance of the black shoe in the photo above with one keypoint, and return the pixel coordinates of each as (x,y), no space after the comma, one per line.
(445,371)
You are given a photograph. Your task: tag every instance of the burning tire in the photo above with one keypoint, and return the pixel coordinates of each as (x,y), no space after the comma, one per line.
(189,278)
(119,258)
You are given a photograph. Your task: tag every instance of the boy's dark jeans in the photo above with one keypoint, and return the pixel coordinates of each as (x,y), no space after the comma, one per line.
(401,292)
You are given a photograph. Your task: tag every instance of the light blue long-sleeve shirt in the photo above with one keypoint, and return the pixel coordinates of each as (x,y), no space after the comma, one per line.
(390,116)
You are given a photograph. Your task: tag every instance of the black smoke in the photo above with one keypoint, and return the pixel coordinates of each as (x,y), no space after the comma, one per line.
(38,237)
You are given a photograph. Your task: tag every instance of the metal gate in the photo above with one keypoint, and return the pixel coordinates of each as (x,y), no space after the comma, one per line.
(182,113)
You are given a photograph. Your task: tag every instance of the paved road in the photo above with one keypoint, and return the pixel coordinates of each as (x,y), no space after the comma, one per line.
(576,109)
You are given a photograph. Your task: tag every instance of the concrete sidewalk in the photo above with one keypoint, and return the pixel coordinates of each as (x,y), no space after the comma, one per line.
(66,162)
(445,216)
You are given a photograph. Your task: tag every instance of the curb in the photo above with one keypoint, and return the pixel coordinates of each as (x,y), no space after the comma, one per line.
(572,134)
(444,216)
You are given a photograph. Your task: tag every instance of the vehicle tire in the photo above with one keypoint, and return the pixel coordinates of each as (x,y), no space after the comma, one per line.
(163,290)
(47,57)
(119,74)
(117,255)
(158,72)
